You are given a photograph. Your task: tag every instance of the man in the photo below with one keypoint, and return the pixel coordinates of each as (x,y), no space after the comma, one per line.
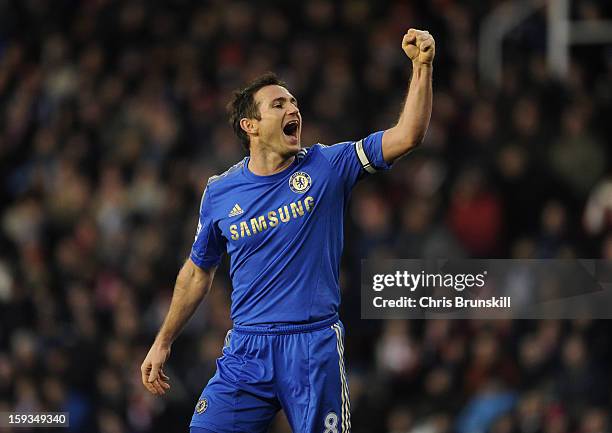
(279,215)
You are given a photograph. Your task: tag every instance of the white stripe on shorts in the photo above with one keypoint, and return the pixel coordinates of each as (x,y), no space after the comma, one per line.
(346,405)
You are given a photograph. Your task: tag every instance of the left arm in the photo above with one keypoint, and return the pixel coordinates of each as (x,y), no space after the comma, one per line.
(410,129)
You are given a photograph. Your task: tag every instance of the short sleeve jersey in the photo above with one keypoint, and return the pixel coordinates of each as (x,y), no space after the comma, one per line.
(284,232)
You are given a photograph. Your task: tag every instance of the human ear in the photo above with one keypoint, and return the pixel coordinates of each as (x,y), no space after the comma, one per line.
(250,126)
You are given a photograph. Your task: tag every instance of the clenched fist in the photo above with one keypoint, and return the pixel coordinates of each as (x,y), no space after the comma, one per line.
(420,46)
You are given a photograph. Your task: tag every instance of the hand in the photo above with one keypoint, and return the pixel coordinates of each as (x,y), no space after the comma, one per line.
(153,377)
(420,46)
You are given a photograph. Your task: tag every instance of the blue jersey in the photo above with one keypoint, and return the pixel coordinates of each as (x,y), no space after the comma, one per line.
(284,232)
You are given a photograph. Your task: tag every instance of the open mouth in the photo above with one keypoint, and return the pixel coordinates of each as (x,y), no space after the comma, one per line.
(291,128)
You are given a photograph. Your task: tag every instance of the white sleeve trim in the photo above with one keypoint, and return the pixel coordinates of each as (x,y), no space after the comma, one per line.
(363,158)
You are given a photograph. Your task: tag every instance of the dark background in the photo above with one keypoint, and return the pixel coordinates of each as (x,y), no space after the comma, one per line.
(112,119)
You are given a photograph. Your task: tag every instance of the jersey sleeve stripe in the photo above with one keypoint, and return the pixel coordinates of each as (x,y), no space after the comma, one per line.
(363,158)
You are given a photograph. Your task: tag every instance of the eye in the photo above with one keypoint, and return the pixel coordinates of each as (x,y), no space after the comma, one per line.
(278,105)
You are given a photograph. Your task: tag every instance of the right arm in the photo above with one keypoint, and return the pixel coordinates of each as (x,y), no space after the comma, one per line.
(192,285)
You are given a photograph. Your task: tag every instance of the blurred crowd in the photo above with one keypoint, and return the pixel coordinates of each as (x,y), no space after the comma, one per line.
(113,117)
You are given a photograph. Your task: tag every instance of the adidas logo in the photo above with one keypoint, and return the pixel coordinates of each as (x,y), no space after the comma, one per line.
(236,210)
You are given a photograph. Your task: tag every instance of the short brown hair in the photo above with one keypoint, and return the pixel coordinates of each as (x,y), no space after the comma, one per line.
(243,104)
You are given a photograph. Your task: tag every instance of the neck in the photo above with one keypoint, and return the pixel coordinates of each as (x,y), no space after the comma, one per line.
(264,163)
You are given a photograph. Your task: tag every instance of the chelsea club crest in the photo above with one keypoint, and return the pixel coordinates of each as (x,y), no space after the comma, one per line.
(300,182)
(202,406)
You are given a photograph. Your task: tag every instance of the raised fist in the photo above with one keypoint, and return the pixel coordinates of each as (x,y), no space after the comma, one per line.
(420,46)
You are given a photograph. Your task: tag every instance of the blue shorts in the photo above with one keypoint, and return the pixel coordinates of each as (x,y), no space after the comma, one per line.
(298,368)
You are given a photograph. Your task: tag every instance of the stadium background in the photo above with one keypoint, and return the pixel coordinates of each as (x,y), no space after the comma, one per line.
(112,119)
